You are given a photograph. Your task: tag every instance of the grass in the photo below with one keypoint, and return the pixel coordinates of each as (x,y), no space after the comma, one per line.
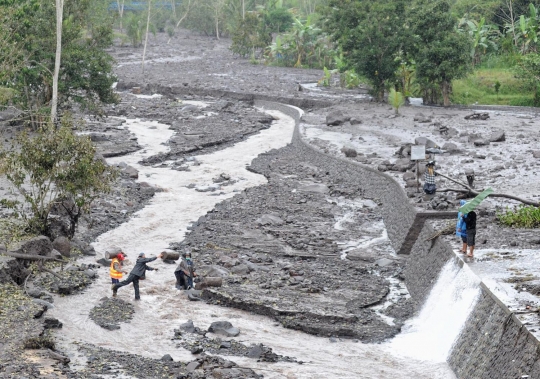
(480,86)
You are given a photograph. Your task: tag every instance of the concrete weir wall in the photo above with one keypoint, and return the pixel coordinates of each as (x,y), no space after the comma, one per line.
(493,343)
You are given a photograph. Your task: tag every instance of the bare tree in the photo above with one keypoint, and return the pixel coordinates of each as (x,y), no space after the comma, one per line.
(146,38)
(57,59)
(510,18)
(121,11)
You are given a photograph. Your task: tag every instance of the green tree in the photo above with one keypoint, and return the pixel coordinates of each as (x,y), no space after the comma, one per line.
(278,20)
(528,70)
(52,167)
(442,54)
(250,35)
(85,72)
(370,33)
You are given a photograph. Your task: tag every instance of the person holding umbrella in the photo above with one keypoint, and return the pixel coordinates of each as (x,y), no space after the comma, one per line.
(461,228)
(470,222)
(470,218)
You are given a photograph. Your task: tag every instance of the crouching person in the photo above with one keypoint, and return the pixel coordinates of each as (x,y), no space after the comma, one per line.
(136,274)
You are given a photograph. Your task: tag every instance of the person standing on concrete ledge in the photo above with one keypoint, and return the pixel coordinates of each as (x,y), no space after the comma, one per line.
(136,274)
(461,228)
(429,178)
(470,222)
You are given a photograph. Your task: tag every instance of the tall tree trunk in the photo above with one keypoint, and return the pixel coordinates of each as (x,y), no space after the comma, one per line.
(146,38)
(217,25)
(57,59)
(120,12)
(243,9)
(445,89)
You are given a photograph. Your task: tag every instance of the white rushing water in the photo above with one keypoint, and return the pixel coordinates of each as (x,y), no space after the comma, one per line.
(431,334)
(163,308)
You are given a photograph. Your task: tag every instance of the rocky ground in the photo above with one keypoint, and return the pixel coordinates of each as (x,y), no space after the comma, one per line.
(282,242)
(277,239)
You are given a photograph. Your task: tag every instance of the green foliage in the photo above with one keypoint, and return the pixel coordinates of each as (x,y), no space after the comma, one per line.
(55,166)
(395,99)
(304,46)
(29,26)
(135,26)
(278,20)
(349,79)
(370,33)
(484,38)
(325,80)
(524,216)
(440,51)
(479,87)
(528,70)
(249,36)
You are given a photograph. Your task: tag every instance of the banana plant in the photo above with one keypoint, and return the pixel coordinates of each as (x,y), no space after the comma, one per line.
(483,36)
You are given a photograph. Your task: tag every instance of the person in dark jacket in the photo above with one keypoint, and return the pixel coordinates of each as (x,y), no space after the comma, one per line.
(461,228)
(470,222)
(136,274)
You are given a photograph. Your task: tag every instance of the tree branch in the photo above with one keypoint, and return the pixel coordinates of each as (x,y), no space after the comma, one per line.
(31,257)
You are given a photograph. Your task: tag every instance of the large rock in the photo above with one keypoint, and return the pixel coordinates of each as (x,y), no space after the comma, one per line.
(450,147)
(425,141)
(212,271)
(536,153)
(420,117)
(63,245)
(224,328)
(349,152)
(85,248)
(132,172)
(481,142)
(497,136)
(336,118)
(40,245)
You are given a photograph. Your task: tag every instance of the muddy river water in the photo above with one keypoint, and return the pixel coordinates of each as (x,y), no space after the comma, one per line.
(420,351)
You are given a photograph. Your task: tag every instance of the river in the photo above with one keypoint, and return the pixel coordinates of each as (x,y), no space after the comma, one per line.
(418,352)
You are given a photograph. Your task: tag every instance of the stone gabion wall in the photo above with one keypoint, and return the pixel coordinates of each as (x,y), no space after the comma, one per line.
(493,343)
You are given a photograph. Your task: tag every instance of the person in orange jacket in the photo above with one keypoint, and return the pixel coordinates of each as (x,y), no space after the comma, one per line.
(116,270)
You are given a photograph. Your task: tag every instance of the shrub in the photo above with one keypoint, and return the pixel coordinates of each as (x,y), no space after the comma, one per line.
(524,216)
(55,167)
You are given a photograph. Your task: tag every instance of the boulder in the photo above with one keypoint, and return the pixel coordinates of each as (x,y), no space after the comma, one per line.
(536,153)
(63,245)
(188,327)
(402,165)
(409,175)
(84,247)
(240,270)
(425,141)
(224,328)
(349,152)
(450,147)
(212,271)
(497,136)
(481,142)
(132,172)
(420,117)
(40,245)
(192,366)
(336,118)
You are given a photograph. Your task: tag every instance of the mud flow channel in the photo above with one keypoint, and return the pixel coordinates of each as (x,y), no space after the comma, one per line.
(420,351)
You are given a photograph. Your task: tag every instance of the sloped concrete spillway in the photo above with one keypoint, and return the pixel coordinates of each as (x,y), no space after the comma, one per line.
(420,351)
